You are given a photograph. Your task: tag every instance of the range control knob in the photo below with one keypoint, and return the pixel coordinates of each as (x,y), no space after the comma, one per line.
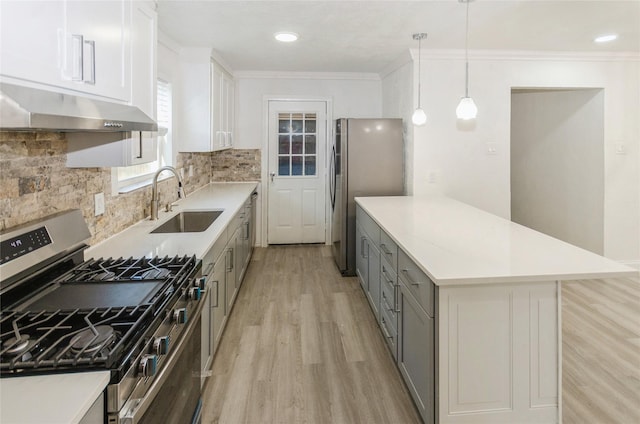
(180,316)
(200,282)
(194,293)
(148,365)
(161,345)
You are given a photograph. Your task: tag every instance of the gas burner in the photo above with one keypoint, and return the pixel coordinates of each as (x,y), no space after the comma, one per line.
(92,339)
(18,345)
(103,276)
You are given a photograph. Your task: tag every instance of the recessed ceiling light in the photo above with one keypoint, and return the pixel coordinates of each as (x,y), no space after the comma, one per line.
(605,38)
(286,37)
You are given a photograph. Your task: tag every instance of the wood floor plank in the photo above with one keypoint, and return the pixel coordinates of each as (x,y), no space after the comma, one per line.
(601,355)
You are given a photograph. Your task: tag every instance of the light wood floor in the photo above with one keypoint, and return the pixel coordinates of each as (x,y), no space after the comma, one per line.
(601,351)
(302,346)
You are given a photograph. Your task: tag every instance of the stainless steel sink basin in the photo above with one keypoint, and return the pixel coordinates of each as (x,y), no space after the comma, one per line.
(189,222)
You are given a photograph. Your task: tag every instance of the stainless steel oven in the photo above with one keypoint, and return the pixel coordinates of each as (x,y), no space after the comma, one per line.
(139,318)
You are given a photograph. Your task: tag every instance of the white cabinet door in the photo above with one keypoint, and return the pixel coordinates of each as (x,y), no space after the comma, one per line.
(76,45)
(143,58)
(104,28)
(32,40)
(218,129)
(227,109)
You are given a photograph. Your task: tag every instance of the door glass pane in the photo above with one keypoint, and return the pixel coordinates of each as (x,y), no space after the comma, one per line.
(283,165)
(296,165)
(296,144)
(284,124)
(296,126)
(283,144)
(309,144)
(310,165)
(310,123)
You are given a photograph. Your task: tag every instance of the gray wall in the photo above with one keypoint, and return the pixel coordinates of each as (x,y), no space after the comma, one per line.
(557,164)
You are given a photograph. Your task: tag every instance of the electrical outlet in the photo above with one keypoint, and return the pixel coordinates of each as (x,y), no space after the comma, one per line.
(98,201)
(190,170)
(182,173)
(492,148)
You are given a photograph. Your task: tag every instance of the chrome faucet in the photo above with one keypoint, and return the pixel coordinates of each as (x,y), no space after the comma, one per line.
(154,190)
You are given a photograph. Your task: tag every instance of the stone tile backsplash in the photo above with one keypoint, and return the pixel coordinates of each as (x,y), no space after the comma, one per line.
(35,182)
(236,165)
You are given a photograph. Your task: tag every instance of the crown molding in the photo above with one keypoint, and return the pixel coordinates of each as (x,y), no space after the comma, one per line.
(307,75)
(526,55)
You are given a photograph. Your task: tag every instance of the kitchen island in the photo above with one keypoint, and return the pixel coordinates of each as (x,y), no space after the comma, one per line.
(473,314)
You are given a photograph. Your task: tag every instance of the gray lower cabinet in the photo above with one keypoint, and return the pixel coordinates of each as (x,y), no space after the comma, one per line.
(402,298)
(217,297)
(416,352)
(223,268)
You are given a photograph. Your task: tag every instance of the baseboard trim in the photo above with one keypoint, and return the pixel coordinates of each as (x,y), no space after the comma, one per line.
(632,264)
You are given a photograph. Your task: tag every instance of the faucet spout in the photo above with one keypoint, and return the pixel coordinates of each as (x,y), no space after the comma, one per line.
(155,201)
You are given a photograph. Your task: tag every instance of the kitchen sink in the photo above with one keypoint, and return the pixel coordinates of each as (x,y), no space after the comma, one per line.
(189,222)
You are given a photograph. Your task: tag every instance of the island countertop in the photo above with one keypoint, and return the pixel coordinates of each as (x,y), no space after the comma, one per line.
(455,243)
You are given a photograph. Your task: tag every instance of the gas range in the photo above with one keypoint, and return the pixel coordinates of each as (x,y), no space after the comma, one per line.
(131,316)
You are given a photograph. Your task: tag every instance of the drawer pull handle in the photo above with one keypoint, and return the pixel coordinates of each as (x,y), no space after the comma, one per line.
(384,329)
(386,276)
(384,249)
(411,281)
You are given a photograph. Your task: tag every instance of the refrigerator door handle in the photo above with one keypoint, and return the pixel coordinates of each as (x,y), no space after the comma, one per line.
(332,182)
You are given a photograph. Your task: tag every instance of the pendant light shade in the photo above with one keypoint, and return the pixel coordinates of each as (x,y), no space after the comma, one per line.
(419,118)
(467,108)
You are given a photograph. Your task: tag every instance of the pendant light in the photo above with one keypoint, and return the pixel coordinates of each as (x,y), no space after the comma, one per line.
(419,118)
(467,108)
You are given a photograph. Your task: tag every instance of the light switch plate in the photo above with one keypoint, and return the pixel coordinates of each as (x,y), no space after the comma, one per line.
(98,200)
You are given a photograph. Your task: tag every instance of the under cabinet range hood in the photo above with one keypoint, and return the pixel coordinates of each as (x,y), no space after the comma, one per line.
(31,109)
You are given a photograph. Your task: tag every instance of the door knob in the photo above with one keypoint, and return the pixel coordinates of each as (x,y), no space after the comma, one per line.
(272,174)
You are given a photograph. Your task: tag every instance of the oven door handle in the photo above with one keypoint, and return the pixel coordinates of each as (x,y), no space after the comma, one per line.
(134,409)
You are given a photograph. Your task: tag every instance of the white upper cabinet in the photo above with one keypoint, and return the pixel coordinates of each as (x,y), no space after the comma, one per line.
(206,121)
(144,42)
(82,46)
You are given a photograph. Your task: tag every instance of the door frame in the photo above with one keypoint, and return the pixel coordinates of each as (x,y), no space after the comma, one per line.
(264,161)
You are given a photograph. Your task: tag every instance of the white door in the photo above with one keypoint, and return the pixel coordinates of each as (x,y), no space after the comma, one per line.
(297,143)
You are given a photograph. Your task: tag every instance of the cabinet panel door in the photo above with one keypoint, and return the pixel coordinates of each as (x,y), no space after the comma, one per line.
(32,40)
(362,263)
(374,279)
(143,58)
(105,30)
(218,301)
(416,353)
(217,129)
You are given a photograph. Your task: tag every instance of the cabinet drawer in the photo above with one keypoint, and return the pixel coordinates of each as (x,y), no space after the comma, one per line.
(389,329)
(368,225)
(389,305)
(388,276)
(389,250)
(218,247)
(416,281)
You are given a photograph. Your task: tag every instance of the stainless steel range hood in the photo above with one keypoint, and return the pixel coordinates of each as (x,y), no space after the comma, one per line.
(30,109)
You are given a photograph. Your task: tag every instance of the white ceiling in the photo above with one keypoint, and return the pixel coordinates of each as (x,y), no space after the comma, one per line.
(366,36)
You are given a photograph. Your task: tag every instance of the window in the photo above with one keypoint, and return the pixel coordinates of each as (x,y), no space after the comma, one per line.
(135,176)
(297,144)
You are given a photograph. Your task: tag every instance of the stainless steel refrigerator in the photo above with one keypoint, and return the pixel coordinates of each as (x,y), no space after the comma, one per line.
(366,160)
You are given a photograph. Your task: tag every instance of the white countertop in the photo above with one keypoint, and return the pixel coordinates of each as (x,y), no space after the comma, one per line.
(137,241)
(59,398)
(65,398)
(455,243)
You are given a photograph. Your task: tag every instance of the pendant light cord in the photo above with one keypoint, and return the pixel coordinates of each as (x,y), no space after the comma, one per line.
(466,55)
(419,64)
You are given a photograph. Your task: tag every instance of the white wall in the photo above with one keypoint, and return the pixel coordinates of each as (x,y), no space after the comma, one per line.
(557,164)
(353,96)
(397,102)
(454,160)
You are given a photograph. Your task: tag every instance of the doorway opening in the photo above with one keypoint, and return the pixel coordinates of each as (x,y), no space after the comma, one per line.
(557,163)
